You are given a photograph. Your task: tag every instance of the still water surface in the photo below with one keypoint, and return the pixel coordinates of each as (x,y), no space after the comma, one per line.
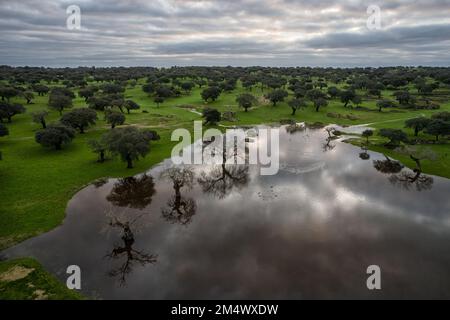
(226,232)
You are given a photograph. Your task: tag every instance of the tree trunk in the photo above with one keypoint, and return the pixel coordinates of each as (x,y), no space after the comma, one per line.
(293,111)
(44,125)
(129,162)
(102,156)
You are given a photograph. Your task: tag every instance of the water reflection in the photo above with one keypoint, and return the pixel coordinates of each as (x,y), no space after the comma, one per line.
(125,252)
(225,232)
(133,192)
(364,155)
(221,179)
(387,166)
(404,178)
(179,209)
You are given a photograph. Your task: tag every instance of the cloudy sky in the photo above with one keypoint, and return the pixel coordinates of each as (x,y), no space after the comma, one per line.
(225,32)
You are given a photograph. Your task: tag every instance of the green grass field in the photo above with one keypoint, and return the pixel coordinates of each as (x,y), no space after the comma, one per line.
(37,183)
(25,279)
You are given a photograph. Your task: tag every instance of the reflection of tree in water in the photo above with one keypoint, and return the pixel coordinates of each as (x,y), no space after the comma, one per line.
(125,250)
(404,179)
(415,178)
(222,178)
(179,209)
(133,192)
(130,193)
(387,166)
(328,146)
(364,155)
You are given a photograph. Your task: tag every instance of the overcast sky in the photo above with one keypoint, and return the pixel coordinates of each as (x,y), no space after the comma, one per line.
(225,32)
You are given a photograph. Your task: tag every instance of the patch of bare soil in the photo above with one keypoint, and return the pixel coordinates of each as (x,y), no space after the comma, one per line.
(15,273)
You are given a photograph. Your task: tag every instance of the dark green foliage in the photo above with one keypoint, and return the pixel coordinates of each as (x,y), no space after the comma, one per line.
(347,96)
(28,95)
(383,104)
(296,104)
(246,101)
(187,86)
(417,124)
(115,118)
(86,93)
(277,96)
(79,118)
(438,128)
(404,98)
(211,93)
(99,147)
(444,116)
(55,136)
(3,130)
(59,102)
(8,92)
(112,88)
(131,105)
(212,116)
(334,92)
(41,89)
(129,143)
(367,134)
(39,117)
(158,100)
(8,110)
(395,136)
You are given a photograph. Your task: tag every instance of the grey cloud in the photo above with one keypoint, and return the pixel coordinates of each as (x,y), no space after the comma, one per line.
(220,32)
